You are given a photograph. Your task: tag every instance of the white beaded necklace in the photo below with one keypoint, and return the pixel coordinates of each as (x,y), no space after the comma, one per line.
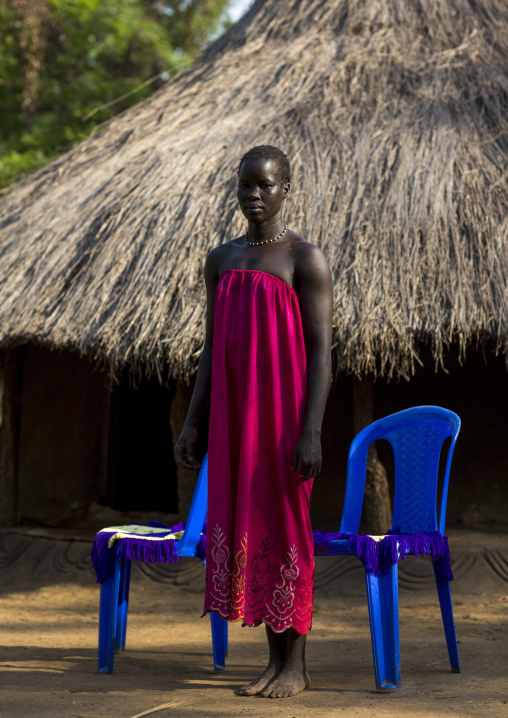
(255,244)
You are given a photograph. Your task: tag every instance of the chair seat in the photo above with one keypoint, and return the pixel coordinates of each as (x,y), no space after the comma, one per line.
(333,548)
(379,553)
(153,543)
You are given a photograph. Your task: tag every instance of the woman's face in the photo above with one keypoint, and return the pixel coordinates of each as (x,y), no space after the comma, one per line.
(261,190)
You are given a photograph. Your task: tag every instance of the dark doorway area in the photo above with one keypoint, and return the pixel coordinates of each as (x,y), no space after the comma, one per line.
(141,468)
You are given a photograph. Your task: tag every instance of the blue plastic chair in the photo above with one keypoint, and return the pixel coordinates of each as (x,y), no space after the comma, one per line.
(417,436)
(114,598)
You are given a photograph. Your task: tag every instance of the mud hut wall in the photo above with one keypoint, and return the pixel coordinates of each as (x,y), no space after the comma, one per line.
(65,436)
(477,391)
(64,424)
(11,364)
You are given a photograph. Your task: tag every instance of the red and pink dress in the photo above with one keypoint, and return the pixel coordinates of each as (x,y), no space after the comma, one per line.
(260,556)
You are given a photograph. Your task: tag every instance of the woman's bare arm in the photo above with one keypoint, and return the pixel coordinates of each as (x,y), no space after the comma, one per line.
(316,304)
(184,448)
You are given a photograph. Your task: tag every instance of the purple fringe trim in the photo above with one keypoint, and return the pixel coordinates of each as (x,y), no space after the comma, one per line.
(379,556)
(138,549)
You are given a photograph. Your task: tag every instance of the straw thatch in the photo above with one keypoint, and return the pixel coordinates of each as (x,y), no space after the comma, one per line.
(395,117)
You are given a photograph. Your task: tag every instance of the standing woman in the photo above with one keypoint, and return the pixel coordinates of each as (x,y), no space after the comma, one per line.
(265,368)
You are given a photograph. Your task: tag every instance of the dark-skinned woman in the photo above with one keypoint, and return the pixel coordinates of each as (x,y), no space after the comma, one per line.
(265,369)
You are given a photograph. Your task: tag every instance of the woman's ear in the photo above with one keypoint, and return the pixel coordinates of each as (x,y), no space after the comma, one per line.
(287,188)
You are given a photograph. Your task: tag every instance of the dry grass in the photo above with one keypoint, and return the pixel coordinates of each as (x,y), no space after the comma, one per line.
(395,116)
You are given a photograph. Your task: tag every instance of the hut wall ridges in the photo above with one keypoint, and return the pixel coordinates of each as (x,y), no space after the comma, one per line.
(395,116)
(63,436)
(86,458)
(77,452)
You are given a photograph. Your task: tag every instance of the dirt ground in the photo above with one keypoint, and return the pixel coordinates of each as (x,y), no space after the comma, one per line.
(48,643)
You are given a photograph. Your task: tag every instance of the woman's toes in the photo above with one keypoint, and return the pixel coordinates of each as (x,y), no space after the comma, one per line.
(274,692)
(248,691)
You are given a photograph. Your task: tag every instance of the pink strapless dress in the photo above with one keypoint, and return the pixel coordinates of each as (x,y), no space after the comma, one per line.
(260,556)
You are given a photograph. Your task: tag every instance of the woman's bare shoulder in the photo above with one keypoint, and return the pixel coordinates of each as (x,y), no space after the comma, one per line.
(218,256)
(309,259)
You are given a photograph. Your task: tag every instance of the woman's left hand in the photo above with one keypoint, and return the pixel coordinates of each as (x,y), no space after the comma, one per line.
(306,458)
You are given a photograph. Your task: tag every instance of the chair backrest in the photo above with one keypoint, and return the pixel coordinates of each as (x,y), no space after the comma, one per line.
(417,436)
(197,514)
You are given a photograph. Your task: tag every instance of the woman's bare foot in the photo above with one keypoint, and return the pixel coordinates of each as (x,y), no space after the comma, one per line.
(288,683)
(271,672)
(286,674)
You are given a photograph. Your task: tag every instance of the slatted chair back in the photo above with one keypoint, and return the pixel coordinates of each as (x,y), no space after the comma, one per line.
(417,436)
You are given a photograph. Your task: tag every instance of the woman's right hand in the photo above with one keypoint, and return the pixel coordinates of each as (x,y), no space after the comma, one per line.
(184,449)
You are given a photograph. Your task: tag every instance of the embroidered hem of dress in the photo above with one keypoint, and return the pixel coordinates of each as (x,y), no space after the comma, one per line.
(379,553)
(255,623)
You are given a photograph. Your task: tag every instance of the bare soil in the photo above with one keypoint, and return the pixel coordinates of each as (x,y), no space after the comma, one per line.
(48,651)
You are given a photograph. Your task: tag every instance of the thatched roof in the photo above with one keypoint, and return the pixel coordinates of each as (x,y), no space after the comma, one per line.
(395,116)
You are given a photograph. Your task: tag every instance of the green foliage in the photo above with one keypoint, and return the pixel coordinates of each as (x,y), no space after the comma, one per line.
(60,60)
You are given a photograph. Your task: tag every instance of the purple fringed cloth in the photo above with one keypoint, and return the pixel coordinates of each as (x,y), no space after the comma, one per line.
(379,553)
(153,543)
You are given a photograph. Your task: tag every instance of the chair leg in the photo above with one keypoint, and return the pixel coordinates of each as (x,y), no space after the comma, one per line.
(445,601)
(123,605)
(383,599)
(219,641)
(107,621)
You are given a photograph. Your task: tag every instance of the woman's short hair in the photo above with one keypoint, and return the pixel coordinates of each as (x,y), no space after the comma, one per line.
(268,152)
